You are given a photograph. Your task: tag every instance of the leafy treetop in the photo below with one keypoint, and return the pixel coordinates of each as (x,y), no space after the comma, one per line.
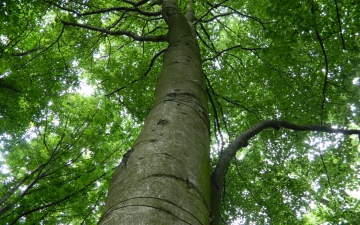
(294,61)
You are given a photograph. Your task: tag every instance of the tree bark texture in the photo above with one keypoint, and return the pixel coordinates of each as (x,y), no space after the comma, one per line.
(164,177)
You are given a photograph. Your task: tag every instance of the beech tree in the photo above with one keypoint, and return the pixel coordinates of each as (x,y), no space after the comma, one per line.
(201,112)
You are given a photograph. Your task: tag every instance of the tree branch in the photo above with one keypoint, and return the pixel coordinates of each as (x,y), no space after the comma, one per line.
(145,13)
(24,213)
(136,4)
(37,55)
(339,22)
(105,10)
(143,76)
(222,166)
(216,17)
(325,59)
(326,69)
(212,7)
(3,84)
(231,48)
(250,17)
(27,52)
(242,140)
(15,188)
(134,36)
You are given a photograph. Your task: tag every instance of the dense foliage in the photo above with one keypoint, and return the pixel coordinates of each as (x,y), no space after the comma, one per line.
(291,60)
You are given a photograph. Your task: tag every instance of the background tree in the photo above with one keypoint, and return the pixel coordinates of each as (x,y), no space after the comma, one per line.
(260,64)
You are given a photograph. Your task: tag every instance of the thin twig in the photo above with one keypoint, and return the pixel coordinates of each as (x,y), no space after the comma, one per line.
(339,22)
(143,76)
(160,38)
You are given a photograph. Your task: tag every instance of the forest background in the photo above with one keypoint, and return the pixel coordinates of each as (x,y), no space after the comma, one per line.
(293,61)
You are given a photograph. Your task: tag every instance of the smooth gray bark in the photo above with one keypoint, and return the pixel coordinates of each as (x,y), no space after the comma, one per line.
(164,177)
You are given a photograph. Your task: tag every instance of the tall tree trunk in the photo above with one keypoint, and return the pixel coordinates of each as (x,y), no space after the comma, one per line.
(164,177)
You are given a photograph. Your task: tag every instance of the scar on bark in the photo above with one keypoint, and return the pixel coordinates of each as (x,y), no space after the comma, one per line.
(162,122)
(173,94)
(127,155)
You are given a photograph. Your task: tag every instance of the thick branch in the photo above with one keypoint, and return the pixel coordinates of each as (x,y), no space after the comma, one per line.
(242,141)
(218,176)
(134,36)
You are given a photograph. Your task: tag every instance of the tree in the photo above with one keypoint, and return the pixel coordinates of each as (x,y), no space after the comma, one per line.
(288,66)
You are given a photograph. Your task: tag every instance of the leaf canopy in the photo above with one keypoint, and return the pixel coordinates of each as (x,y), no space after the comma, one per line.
(296,61)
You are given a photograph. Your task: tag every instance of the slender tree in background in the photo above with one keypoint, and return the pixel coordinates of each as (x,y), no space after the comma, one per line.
(155,66)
